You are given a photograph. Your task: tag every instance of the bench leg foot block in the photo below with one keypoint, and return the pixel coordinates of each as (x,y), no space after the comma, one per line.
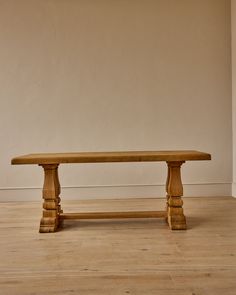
(48,224)
(177,222)
(47,229)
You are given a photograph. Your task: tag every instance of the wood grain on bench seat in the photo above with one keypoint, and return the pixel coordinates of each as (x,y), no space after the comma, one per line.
(96,157)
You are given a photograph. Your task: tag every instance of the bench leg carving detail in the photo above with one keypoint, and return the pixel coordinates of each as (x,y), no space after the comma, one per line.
(51,205)
(167,196)
(174,188)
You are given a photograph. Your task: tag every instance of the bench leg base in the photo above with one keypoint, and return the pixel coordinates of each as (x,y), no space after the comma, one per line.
(47,229)
(177,222)
(48,224)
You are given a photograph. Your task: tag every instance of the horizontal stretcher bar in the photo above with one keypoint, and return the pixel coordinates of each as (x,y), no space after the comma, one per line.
(113,215)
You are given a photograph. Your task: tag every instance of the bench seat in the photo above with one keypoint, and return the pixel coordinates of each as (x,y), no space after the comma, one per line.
(97,157)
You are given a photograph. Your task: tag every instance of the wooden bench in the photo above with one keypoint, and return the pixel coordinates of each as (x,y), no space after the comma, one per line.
(53,215)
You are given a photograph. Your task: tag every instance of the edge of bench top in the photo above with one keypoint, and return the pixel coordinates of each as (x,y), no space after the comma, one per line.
(102,157)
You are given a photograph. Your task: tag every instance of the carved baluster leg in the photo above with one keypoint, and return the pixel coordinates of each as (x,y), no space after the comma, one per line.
(58,186)
(176,218)
(51,190)
(60,223)
(167,196)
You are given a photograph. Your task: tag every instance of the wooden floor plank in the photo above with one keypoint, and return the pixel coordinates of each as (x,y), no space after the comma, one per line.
(123,256)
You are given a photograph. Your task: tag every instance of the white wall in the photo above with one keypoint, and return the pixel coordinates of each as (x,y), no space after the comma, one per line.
(115,75)
(233,33)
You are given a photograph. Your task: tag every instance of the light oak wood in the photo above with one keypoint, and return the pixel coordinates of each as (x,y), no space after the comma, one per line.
(51,190)
(175,214)
(114,215)
(96,157)
(53,215)
(131,256)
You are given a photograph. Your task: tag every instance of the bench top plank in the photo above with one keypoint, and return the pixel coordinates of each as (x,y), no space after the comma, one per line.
(102,157)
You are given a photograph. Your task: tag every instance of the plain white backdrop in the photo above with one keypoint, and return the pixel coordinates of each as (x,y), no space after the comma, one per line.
(233,30)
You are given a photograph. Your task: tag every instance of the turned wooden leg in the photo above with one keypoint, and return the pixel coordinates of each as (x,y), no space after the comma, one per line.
(51,205)
(60,221)
(167,196)
(175,214)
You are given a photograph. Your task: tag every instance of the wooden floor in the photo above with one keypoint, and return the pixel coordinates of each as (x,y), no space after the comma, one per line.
(114,257)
